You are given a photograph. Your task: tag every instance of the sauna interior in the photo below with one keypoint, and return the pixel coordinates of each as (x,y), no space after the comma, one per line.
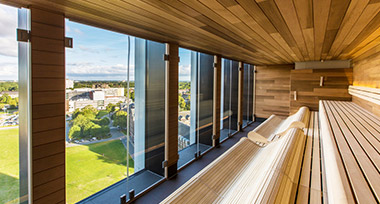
(189,101)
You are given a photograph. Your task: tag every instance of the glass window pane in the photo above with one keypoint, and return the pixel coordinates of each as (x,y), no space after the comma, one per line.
(205,100)
(234,95)
(96,155)
(14,106)
(186,109)
(225,99)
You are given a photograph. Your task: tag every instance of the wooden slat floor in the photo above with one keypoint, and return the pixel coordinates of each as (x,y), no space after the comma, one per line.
(357,137)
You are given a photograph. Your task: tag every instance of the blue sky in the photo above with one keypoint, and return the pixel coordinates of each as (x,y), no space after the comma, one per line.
(97,54)
(102,55)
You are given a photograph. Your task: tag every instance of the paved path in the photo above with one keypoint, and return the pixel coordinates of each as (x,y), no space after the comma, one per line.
(6,127)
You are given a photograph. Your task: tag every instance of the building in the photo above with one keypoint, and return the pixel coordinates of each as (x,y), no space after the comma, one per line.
(69,84)
(313,64)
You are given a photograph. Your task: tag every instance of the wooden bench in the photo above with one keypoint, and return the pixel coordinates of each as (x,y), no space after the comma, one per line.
(248,173)
(311,187)
(351,152)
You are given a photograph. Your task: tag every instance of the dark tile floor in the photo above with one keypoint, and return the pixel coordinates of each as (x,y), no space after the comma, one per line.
(165,189)
(111,194)
(188,154)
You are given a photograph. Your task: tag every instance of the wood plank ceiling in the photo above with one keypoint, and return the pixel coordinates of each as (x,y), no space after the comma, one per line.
(259,32)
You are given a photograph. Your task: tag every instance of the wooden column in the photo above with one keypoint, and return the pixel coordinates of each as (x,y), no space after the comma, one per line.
(171,110)
(240,95)
(216,100)
(48,106)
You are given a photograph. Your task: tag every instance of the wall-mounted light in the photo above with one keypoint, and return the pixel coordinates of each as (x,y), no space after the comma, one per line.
(321,81)
(295,95)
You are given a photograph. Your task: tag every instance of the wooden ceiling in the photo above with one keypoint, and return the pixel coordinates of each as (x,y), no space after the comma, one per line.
(258,32)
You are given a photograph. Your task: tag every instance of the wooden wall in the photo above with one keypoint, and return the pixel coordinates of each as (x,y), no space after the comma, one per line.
(272,90)
(367,74)
(367,70)
(217,99)
(371,107)
(48,106)
(306,83)
(171,112)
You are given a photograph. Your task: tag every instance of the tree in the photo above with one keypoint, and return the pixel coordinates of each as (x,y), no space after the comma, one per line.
(111,108)
(75,132)
(105,130)
(102,122)
(120,119)
(87,129)
(96,131)
(181,102)
(13,104)
(132,95)
(90,112)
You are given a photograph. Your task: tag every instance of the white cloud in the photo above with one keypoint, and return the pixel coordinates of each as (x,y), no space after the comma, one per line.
(184,69)
(185,72)
(77,31)
(8,71)
(8,43)
(8,25)
(92,71)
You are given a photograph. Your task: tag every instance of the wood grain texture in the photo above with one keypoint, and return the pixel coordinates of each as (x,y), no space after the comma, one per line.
(240,95)
(306,83)
(272,90)
(48,106)
(247,173)
(351,128)
(171,108)
(310,183)
(258,32)
(369,106)
(367,70)
(217,99)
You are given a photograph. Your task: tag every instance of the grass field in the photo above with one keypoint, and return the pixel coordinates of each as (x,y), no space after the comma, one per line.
(91,168)
(9,169)
(101,114)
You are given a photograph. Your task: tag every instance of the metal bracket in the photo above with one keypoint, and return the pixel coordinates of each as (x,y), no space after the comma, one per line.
(68,42)
(164,164)
(166,57)
(23,35)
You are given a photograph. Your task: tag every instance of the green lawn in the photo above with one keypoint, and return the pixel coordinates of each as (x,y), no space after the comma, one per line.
(101,114)
(9,169)
(91,168)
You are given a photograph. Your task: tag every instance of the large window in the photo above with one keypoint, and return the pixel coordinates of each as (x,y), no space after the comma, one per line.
(14,106)
(229,98)
(194,104)
(115,114)
(248,94)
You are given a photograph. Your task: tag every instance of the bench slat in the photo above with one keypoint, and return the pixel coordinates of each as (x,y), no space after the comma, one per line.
(359,152)
(356,178)
(316,193)
(363,123)
(361,134)
(304,184)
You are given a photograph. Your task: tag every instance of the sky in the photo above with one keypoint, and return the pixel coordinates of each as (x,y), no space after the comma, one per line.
(8,43)
(97,54)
